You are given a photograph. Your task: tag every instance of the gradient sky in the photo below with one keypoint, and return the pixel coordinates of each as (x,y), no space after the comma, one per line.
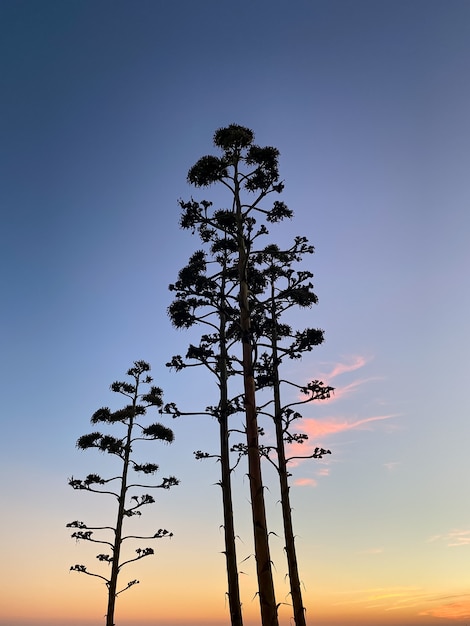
(104,107)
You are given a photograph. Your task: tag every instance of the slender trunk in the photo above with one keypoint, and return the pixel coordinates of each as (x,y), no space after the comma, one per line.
(229,530)
(267,598)
(118,532)
(296,593)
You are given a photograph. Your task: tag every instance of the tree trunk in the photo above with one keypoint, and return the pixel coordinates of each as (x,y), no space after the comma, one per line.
(296,593)
(229,530)
(299,611)
(118,532)
(263,559)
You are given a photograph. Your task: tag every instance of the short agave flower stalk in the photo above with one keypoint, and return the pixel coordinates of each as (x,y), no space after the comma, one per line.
(208,300)
(121,486)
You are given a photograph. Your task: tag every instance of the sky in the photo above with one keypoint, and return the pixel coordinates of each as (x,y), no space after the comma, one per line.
(104,107)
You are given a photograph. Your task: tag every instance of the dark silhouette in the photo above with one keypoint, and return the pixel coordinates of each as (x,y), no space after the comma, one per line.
(286,288)
(239,294)
(207,299)
(122,447)
(250,174)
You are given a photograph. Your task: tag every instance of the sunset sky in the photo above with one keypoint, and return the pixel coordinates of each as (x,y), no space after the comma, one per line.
(104,106)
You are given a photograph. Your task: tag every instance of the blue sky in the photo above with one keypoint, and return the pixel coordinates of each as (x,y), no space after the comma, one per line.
(105,106)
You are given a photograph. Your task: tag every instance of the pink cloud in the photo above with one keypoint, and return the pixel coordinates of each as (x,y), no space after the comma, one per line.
(459,538)
(319,430)
(322,428)
(356,362)
(305,482)
(339,392)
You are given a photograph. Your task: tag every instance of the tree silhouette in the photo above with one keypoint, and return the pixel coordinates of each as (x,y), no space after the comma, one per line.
(240,293)
(250,174)
(208,299)
(285,288)
(122,448)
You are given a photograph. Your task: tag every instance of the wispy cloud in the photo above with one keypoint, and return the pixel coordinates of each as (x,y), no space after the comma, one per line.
(316,429)
(305,482)
(457,609)
(349,364)
(353,363)
(391,465)
(451,606)
(341,391)
(319,431)
(388,598)
(454,538)
(310,482)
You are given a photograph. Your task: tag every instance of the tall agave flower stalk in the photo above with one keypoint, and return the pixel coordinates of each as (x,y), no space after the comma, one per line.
(249,174)
(286,289)
(208,300)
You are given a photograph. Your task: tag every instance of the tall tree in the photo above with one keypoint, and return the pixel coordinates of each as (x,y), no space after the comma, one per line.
(285,288)
(207,299)
(122,448)
(266,286)
(250,174)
